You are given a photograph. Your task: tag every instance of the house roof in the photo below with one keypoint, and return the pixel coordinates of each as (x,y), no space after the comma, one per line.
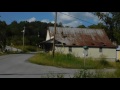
(81,37)
(49,41)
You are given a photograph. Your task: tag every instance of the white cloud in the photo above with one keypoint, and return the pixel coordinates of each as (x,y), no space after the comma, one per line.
(53,22)
(47,21)
(33,19)
(73,24)
(62,17)
(83,16)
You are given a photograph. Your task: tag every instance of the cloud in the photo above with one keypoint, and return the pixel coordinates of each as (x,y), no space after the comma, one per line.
(73,24)
(85,18)
(47,21)
(33,19)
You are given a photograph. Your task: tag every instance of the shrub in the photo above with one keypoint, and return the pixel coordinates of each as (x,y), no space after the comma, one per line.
(84,74)
(103,61)
(31,48)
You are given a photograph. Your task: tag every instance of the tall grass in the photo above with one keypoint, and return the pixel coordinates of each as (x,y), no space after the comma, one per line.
(96,74)
(60,60)
(87,74)
(70,61)
(1,53)
(28,48)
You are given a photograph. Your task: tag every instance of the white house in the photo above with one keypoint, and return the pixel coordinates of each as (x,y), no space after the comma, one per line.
(80,42)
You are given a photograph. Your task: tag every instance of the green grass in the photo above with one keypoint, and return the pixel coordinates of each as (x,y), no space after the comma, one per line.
(28,48)
(87,74)
(2,53)
(97,74)
(60,60)
(69,61)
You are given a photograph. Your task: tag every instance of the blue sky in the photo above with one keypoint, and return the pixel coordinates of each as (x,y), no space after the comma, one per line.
(49,17)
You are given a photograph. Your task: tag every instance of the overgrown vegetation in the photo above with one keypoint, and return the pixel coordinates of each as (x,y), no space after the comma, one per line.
(51,75)
(28,48)
(97,74)
(2,53)
(70,61)
(87,74)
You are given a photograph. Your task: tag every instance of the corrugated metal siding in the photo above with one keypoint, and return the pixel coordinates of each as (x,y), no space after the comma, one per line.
(82,37)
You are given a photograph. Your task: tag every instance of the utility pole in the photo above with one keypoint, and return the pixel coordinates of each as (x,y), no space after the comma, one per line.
(23,37)
(54,34)
(38,41)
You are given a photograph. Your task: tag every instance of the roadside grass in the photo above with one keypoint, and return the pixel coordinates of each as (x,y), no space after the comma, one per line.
(60,60)
(97,74)
(1,53)
(69,61)
(28,48)
(87,74)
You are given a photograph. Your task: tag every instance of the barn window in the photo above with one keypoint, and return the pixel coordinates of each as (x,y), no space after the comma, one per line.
(100,49)
(70,49)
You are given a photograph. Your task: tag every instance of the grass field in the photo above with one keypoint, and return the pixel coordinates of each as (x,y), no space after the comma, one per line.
(69,61)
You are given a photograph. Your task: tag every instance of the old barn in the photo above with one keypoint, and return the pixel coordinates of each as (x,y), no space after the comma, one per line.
(80,42)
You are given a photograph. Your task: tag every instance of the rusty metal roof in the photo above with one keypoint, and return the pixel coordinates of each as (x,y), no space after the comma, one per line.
(81,37)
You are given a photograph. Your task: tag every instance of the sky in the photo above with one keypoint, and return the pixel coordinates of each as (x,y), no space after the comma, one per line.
(67,18)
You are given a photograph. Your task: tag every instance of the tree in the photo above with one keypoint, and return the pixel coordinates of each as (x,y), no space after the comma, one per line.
(60,24)
(98,26)
(112,22)
(2,35)
(81,26)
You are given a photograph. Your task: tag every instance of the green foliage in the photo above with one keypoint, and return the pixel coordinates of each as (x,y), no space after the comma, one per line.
(52,75)
(117,73)
(81,26)
(30,48)
(32,31)
(98,26)
(60,24)
(87,74)
(83,74)
(103,61)
(112,23)
(2,35)
(94,74)
(70,61)
(59,60)
(27,48)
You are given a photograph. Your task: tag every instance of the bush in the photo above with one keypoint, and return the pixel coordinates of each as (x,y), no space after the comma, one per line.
(31,48)
(27,48)
(84,74)
(117,73)
(103,61)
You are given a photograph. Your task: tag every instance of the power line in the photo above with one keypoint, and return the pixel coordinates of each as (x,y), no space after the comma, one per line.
(76,18)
